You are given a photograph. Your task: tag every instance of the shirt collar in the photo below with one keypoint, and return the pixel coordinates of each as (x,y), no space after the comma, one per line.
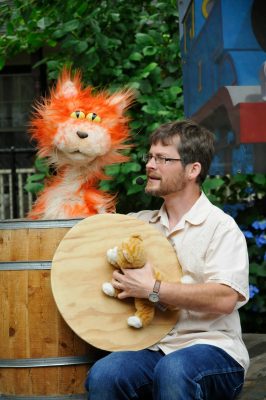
(195,216)
(199,211)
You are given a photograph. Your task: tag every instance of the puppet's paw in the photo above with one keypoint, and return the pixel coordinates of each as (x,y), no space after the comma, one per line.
(112,255)
(108,289)
(135,322)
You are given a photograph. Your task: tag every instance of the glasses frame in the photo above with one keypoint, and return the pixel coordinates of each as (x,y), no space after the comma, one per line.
(159,160)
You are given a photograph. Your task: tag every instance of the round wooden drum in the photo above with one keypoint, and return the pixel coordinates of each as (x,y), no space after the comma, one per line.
(39,354)
(80,268)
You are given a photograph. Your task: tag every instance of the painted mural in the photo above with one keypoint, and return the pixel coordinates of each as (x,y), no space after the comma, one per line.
(223,48)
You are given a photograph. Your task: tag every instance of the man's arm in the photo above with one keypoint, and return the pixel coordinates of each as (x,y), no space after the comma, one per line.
(205,297)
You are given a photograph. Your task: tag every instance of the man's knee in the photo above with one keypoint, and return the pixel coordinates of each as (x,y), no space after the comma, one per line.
(99,374)
(169,367)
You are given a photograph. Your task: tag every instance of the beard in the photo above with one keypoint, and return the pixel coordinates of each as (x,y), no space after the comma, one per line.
(161,187)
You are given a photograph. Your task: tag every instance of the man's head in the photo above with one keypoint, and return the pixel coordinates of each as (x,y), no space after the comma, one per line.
(194,143)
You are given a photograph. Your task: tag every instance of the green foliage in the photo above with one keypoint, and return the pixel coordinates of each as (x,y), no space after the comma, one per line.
(243,197)
(115,44)
(35,182)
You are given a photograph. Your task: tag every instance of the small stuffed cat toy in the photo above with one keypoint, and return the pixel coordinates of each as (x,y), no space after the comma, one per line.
(131,254)
(80,132)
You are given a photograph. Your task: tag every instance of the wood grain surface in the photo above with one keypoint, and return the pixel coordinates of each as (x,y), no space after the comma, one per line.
(31,326)
(80,267)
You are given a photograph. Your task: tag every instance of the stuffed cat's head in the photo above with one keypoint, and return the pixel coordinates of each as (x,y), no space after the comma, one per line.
(78,127)
(129,254)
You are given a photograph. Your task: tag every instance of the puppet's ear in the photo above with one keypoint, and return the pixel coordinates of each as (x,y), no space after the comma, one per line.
(67,90)
(68,87)
(122,100)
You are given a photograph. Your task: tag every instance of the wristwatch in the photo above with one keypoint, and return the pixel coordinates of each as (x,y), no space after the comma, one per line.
(154,295)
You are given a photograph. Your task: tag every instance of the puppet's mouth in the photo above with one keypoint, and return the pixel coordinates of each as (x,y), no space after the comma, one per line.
(78,153)
(75,152)
(79,156)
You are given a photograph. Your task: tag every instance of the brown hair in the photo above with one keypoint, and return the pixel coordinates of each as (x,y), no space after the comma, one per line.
(196,143)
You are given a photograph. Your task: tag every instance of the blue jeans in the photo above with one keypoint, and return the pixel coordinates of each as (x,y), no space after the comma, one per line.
(200,372)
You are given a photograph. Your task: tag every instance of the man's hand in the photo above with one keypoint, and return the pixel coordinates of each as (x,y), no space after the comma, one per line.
(134,282)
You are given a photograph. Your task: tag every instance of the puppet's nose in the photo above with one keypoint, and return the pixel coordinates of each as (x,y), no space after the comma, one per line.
(82,135)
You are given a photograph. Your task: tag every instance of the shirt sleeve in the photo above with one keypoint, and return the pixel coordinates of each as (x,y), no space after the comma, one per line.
(227,259)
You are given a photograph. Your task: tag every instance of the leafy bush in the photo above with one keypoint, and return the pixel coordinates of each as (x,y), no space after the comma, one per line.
(35,182)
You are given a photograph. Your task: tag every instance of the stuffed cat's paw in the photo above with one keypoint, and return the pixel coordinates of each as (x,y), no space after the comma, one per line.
(108,289)
(134,321)
(111,255)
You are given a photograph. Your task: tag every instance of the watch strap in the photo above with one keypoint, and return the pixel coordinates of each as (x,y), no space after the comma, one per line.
(156,286)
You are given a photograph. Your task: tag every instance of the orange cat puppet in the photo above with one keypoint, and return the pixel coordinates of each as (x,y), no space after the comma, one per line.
(80,133)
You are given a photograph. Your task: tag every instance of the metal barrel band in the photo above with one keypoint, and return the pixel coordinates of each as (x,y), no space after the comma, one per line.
(25,265)
(58,397)
(35,224)
(45,362)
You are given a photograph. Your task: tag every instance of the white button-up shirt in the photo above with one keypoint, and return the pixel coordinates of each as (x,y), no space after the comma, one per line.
(210,248)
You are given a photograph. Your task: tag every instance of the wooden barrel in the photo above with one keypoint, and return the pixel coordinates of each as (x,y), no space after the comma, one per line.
(39,354)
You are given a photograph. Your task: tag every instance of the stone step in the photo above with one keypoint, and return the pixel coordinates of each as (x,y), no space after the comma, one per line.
(255,384)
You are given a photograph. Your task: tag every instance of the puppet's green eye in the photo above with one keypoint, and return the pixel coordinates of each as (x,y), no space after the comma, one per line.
(78,114)
(93,117)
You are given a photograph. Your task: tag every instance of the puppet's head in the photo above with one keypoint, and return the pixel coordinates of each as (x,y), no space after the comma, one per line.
(78,127)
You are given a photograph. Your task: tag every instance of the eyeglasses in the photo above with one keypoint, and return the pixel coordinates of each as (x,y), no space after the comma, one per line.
(159,159)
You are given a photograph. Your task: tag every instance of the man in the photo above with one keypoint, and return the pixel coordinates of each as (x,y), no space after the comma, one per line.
(203,357)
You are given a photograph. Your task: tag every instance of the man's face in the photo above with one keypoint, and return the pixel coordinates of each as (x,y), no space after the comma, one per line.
(165,178)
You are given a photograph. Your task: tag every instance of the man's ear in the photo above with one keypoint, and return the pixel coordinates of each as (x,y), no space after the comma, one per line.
(194,170)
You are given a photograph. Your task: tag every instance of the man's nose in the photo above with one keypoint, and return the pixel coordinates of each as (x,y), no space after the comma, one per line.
(151,163)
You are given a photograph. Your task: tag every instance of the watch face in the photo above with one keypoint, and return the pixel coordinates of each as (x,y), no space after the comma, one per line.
(153,297)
